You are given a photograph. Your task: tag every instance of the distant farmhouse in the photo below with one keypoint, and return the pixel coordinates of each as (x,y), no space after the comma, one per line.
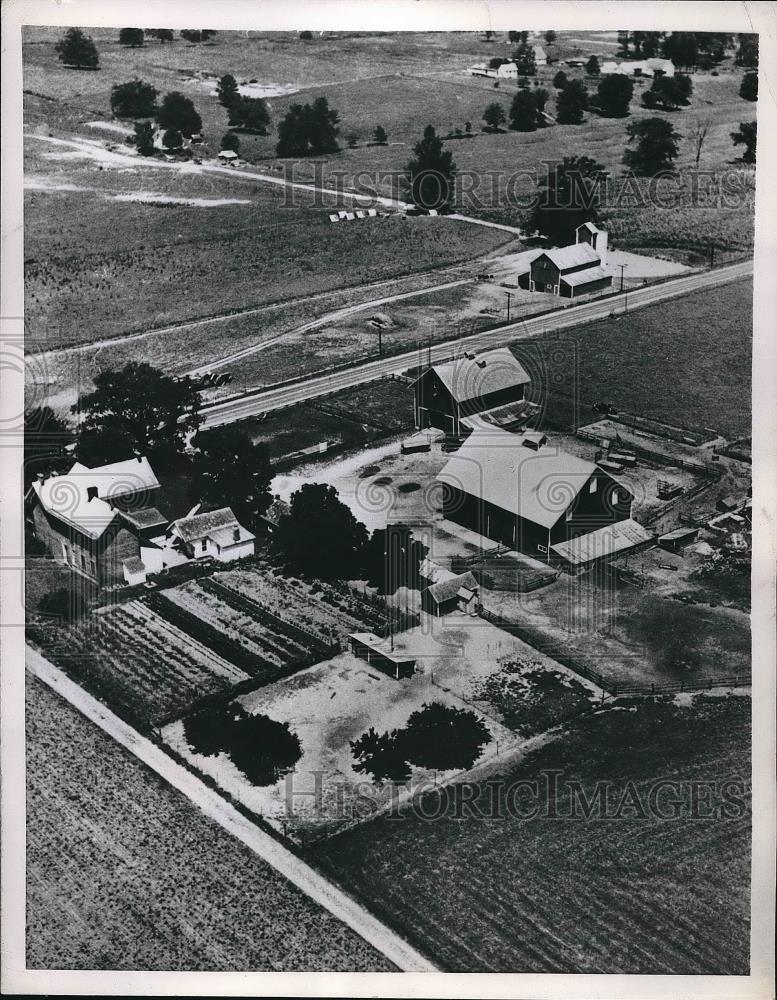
(571,271)
(508,70)
(641,67)
(449,393)
(105,524)
(527,494)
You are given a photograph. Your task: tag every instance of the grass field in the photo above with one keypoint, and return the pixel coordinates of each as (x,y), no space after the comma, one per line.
(683,362)
(599,895)
(125,873)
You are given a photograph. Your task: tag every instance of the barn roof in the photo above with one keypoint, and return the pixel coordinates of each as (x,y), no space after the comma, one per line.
(538,486)
(445,590)
(571,256)
(471,377)
(584,277)
(610,540)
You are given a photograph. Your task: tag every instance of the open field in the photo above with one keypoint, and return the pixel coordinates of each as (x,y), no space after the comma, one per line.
(500,890)
(125,873)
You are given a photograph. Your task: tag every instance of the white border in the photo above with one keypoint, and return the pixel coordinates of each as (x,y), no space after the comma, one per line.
(391,15)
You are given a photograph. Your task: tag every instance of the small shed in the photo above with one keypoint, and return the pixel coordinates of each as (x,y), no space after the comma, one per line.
(378,653)
(675,541)
(228,155)
(134,571)
(457,593)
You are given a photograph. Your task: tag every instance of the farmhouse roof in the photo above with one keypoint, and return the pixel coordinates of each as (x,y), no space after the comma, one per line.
(583,277)
(445,590)
(228,154)
(204,525)
(226,537)
(572,256)
(589,226)
(433,572)
(149,517)
(539,52)
(538,486)
(118,479)
(610,540)
(470,377)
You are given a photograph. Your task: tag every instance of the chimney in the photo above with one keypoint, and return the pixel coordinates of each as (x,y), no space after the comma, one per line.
(91,493)
(236,534)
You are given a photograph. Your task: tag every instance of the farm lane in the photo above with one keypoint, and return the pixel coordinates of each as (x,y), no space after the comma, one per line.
(300,874)
(228,410)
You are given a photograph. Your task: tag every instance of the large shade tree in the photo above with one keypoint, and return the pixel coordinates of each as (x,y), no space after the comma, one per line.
(134,99)
(431,174)
(77,50)
(232,471)
(569,196)
(178,112)
(46,438)
(655,147)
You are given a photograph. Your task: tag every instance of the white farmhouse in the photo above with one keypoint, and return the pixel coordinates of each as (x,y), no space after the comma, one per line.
(217,534)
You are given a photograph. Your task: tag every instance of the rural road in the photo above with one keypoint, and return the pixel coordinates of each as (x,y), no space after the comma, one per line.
(218,809)
(264,400)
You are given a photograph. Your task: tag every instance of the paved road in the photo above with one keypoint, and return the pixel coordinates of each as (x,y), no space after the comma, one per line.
(314,885)
(264,400)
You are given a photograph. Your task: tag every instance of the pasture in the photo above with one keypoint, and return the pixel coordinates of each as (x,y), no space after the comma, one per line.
(485,886)
(125,873)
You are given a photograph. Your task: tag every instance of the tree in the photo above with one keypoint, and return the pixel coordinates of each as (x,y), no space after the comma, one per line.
(178,112)
(431,174)
(77,50)
(102,445)
(496,62)
(320,536)
(517,37)
(227,90)
(322,127)
(614,94)
(172,140)
(132,37)
(249,114)
(682,47)
(623,43)
(541,96)
(698,134)
(592,66)
(747,51)
(651,43)
(46,437)
(550,37)
(749,87)
(560,80)
(144,138)
(570,196)
(161,34)
(232,471)
(656,147)
(523,112)
(392,558)
(135,99)
(155,411)
(208,732)
(571,102)
(746,136)
(381,755)
(523,57)
(309,129)
(230,141)
(444,738)
(263,749)
(379,136)
(67,604)
(668,92)
(194,36)
(494,116)
(306,36)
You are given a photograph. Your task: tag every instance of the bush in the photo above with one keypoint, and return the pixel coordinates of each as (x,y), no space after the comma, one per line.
(67,604)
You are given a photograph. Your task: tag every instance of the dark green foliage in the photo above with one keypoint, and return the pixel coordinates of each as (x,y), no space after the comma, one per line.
(494,116)
(230,141)
(77,49)
(496,62)
(381,755)
(103,445)
(560,80)
(523,57)
(45,438)
(306,36)
(154,410)
(431,174)
(592,66)
(669,92)
(379,136)
(227,90)
(135,99)
(66,604)
(308,130)
(233,472)
(749,87)
(550,37)
(144,138)
(624,38)
(392,558)
(571,102)
(656,148)
(263,749)
(747,51)
(249,114)
(747,136)
(132,37)
(541,96)
(320,536)
(178,112)
(172,139)
(615,93)
(161,34)
(570,196)
(682,47)
(516,37)
(523,112)
(194,36)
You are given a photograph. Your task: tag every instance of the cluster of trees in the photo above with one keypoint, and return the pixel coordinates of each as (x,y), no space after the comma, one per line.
(526,109)
(195,36)
(689,49)
(614,95)
(570,195)
(436,737)
(249,114)
(571,103)
(749,87)
(747,136)
(176,115)
(669,92)
(646,44)
(655,148)
(308,130)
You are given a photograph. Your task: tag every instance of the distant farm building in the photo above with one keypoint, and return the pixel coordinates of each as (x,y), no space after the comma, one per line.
(540,56)
(583,551)
(571,271)
(446,394)
(378,653)
(507,71)
(228,155)
(452,593)
(529,495)
(216,533)
(638,67)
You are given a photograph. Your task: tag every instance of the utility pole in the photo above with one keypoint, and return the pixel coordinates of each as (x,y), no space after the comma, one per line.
(380,340)
(509,297)
(622,266)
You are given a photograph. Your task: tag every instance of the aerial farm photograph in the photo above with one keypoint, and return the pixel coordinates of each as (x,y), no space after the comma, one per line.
(387,499)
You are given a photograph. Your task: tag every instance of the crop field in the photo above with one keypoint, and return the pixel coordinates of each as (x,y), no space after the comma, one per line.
(483,885)
(134,659)
(685,362)
(125,873)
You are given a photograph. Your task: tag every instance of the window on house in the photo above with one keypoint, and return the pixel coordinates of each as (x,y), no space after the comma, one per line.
(542,548)
(204,545)
(64,551)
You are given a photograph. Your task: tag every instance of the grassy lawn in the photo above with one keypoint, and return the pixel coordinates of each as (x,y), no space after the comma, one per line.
(125,873)
(684,362)
(569,894)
